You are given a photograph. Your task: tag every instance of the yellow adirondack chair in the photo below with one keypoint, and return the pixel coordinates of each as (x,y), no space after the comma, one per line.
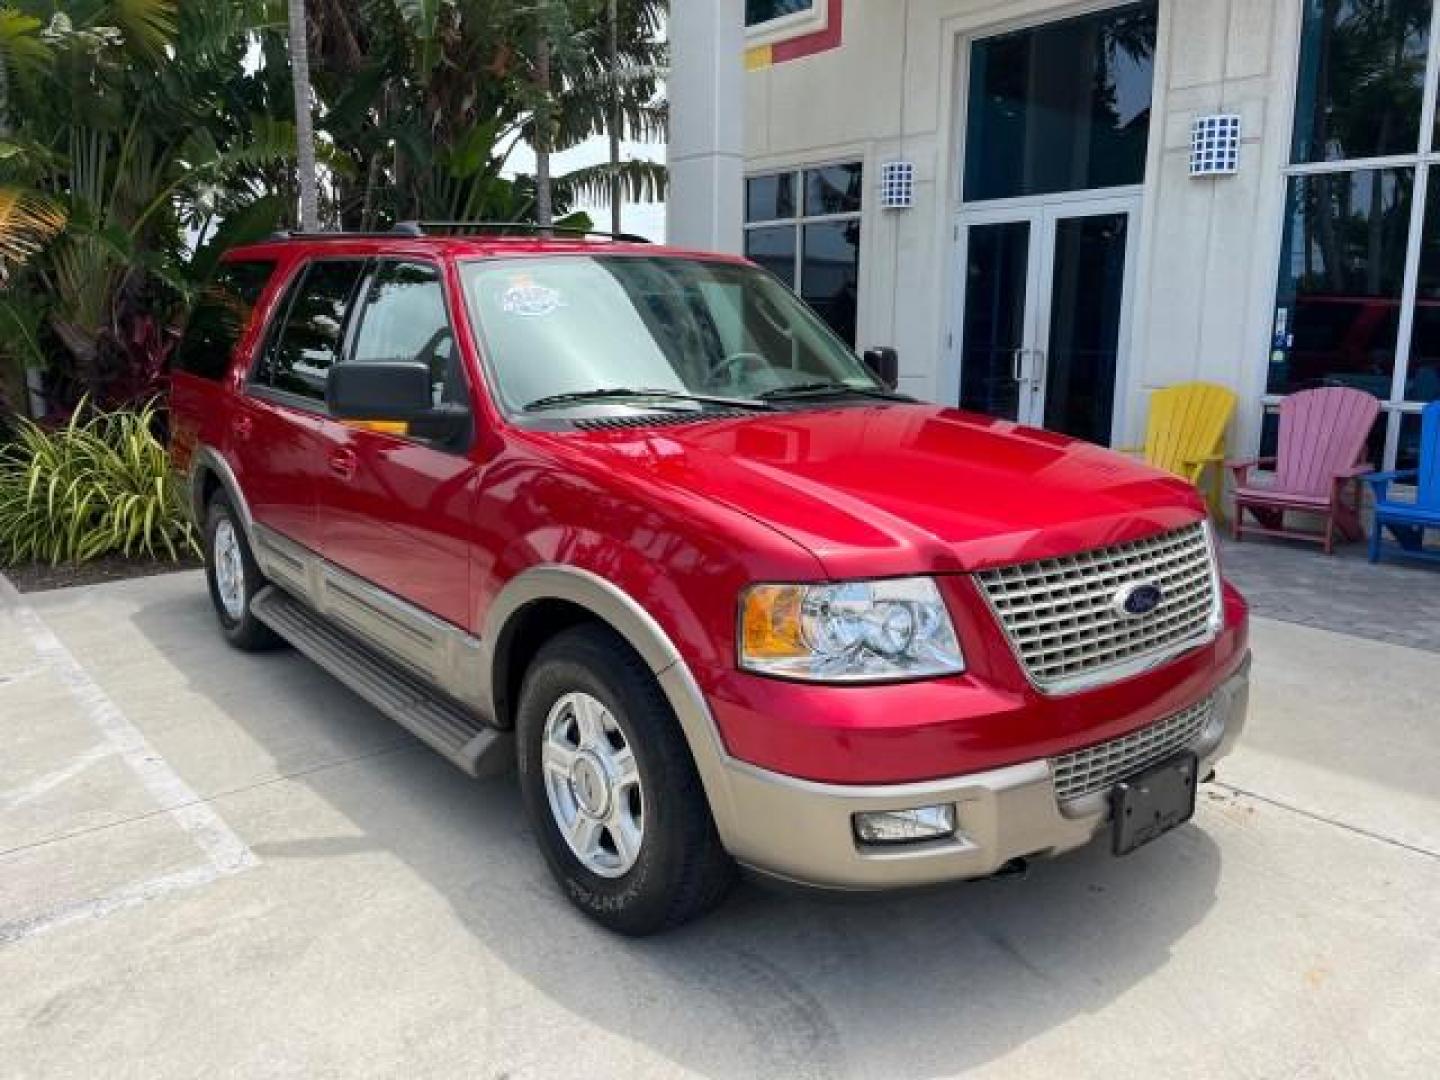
(1186,434)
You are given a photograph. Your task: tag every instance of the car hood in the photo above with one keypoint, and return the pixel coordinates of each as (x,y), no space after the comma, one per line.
(894,489)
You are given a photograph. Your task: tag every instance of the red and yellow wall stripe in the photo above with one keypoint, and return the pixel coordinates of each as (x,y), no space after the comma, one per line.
(763,56)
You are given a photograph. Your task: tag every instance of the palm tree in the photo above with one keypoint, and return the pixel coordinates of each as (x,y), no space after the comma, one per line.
(630,83)
(544,108)
(612,120)
(304,125)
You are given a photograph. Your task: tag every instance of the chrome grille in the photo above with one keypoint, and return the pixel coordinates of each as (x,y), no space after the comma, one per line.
(1060,614)
(1097,768)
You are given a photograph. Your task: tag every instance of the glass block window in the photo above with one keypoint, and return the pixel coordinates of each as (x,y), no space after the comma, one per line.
(1363,201)
(803,225)
(1215,145)
(758,12)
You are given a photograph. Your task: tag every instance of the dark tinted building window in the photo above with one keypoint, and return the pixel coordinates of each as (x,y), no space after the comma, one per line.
(830,273)
(803,225)
(1061,107)
(834,189)
(763,11)
(299,359)
(1362,78)
(773,248)
(769,198)
(1422,375)
(1345,311)
(1342,270)
(219,318)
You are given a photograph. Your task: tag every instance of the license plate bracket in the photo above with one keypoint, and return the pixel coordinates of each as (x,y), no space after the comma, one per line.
(1150,804)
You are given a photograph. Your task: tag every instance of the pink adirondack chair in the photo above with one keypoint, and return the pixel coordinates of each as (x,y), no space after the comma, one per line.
(1322,438)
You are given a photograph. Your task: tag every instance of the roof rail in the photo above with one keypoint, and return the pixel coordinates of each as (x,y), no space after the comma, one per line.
(503,228)
(342,234)
(455,228)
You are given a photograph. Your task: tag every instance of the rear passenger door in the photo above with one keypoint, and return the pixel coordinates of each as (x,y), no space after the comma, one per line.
(276,446)
(395,507)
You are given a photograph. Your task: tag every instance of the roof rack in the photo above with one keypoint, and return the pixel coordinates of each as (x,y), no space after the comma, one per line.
(456,228)
(332,234)
(504,228)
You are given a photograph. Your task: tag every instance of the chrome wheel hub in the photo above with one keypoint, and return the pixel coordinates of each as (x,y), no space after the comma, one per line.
(592,784)
(229,571)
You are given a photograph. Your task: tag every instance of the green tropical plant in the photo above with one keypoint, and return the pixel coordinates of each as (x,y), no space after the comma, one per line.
(132,133)
(140,138)
(99,485)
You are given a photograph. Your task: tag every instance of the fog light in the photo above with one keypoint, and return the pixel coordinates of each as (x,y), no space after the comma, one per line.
(906,826)
(1215,722)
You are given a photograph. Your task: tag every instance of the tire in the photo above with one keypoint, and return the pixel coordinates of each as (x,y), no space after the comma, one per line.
(228,557)
(676,868)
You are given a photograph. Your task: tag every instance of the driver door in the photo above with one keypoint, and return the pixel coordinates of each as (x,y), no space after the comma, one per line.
(395,510)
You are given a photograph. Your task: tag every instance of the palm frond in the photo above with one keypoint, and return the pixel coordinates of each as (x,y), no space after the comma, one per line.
(149,26)
(22,50)
(27,223)
(640,181)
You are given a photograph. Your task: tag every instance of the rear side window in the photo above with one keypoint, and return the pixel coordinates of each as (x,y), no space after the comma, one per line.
(219,317)
(300,355)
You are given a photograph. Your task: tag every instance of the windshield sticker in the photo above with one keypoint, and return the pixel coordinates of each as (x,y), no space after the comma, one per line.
(529,300)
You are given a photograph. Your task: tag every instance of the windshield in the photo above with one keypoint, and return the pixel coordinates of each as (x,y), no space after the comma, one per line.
(578,324)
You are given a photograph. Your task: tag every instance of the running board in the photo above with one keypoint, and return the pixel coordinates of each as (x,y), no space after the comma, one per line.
(430,716)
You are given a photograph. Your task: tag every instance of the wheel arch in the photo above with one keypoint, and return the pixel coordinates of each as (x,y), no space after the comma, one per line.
(209,473)
(520,620)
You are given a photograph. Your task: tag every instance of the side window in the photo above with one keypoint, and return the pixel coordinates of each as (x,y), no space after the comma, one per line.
(404,318)
(219,317)
(300,356)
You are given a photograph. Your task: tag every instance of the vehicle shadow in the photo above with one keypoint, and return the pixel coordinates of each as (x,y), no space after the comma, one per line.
(777,982)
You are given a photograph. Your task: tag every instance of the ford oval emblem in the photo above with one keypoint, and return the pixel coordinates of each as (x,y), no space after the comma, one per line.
(1137,599)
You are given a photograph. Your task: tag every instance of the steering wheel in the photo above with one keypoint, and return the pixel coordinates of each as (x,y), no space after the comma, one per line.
(730,366)
(429,352)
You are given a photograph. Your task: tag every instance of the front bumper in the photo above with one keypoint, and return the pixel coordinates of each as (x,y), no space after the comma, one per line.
(802,831)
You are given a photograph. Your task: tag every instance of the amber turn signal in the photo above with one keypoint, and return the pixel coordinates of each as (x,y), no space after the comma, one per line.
(771,623)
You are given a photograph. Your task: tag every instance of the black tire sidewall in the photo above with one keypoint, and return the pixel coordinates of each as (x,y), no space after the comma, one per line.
(247,632)
(592,662)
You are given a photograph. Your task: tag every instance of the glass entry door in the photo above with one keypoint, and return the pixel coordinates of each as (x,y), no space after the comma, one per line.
(1043,312)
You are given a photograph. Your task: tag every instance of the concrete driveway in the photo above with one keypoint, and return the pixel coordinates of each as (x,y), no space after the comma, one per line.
(226,865)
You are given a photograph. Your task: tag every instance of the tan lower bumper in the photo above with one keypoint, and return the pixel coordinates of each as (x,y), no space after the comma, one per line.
(802,831)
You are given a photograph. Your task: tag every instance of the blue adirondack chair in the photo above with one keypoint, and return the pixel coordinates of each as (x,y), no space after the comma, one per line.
(1407,521)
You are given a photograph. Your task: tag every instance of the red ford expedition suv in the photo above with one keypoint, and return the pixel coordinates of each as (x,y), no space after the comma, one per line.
(634,519)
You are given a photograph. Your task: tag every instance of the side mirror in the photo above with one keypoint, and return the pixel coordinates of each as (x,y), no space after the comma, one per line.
(884,364)
(400,392)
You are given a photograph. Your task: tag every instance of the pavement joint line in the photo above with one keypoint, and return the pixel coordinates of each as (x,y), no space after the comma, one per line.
(323,766)
(226,851)
(1326,820)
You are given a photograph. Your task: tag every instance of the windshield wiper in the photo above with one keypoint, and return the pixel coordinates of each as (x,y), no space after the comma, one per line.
(622,393)
(826,389)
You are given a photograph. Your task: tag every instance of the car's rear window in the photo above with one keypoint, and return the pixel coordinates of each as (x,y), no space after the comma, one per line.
(220,316)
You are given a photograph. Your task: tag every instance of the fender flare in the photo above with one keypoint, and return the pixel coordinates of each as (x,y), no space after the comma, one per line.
(206,459)
(611,605)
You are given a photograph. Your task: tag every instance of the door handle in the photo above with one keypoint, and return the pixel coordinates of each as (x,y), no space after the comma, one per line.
(1017,363)
(1038,373)
(242,426)
(342,463)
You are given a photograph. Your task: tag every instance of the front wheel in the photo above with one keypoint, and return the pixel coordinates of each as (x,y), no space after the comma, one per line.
(611,789)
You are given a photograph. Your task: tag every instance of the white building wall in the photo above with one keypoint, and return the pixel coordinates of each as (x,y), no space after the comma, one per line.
(1208,248)
(705,153)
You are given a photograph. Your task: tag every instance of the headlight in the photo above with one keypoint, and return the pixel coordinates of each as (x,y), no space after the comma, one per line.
(853,631)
